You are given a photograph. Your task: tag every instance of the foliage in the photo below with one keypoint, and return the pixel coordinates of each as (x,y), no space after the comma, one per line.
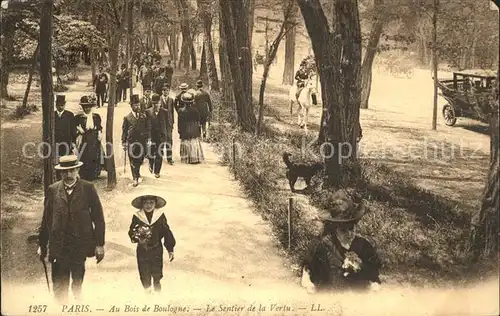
(21,111)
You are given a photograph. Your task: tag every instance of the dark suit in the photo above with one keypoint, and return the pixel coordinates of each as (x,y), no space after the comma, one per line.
(122,84)
(136,131)
(159,83)
(167,103)
(145,103)
(169,72)
(203,103)
(100,85)
(158,123)
(72,226)
(64,132)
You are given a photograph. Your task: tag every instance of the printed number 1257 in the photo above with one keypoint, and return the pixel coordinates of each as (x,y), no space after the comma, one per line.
(38,308)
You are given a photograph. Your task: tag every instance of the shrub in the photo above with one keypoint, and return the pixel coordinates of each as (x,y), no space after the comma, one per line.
(60,88)
(22,111)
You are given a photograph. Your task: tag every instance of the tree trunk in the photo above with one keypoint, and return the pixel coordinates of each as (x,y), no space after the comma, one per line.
(288,71)
(92,53)
(366,67)
(110,157)
(484,233)
(30,77)
(193,56)
(226,77)
(434,63)
(250,4)
(130,41)
(47,92)
(203,64)
(338,56)
(5,62)
(235,16)
(213,80)
(187,42)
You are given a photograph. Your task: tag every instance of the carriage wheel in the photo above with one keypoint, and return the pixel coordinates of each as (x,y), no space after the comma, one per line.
(449,115)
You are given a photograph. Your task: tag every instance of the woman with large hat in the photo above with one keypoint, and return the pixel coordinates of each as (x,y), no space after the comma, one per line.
(339,258)
(89,135)
(189,131)
(149,226)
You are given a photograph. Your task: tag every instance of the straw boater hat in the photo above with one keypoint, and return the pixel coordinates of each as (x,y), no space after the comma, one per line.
(137,202)
(60,99)
(183,86)
(87,100)
(68,162)
(187,97)
(344,210)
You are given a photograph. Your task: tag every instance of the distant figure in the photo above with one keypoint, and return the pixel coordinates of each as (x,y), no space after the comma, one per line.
(148,227)
(160,82)
(157,120)
(169,72)
(183,87)
(146,99)
(147,77)
(301,76)
(89,131)
(167,103)
(189,131)
(203,103)
(72,228)
(65,129)
(122,84)
(136,137)
(100,85)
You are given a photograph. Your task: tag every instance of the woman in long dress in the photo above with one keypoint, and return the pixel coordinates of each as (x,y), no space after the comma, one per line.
(89,134)
(190,131)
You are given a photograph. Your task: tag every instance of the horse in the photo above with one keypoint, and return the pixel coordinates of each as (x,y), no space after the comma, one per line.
(304,101)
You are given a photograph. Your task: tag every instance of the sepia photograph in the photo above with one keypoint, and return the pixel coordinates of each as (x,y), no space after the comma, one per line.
(250,157)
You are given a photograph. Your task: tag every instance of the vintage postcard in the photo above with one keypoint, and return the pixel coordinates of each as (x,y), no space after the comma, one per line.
(249,157)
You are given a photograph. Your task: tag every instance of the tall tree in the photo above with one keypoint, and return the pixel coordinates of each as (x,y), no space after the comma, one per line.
(130,43)
(235,16)
(225,69)
(338,58)
(205,11)
(47,92)
(30,76)
(187,41)
(288,71)
(435,62)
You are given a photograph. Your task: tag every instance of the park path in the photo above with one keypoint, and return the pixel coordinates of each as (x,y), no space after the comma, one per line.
(225,257)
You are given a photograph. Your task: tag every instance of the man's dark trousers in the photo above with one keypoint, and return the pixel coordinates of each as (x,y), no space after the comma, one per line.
(61,271)
(155,156)
(136,153)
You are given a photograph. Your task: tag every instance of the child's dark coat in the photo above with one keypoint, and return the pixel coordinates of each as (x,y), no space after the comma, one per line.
(150,255)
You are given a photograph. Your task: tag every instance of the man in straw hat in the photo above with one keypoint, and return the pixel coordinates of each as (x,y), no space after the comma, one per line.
(64,129)
(149,226)
(339,258)
(72,228)
(184,88)
(136,137)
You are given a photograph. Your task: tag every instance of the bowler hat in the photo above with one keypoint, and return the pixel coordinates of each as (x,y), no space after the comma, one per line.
(134,99)
(137,202)
(147,87)
(155,98)
(60,99)
(183,86)
(166,86)
(87,100)
(68,162)
(199,83)
(344,209)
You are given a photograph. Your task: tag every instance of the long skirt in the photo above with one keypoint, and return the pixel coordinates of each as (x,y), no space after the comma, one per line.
(191,151)
(91,154)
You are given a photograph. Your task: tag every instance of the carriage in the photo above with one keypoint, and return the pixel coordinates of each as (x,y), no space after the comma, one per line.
(467,94)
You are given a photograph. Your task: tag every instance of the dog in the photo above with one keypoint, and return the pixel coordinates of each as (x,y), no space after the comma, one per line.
(300,170)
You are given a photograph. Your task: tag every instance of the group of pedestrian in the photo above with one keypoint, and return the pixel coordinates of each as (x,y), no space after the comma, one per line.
(147,129)
(80,133)
(101,85)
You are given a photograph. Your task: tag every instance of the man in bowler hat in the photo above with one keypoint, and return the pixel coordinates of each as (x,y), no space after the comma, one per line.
(136,137)
(203,103)
(157,120)
(72,228)
(64,129)
(167,103)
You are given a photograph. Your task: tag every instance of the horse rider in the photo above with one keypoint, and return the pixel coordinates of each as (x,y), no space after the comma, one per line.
(302,75)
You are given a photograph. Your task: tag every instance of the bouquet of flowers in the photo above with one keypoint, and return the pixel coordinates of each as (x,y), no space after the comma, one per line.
(352,263)
(142,234)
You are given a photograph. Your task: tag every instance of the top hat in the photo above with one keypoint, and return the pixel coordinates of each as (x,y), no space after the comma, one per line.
(68,162)
(134,99)
(137,202)
(187,97)
(183,86)
(344,210)
(87,100)
(60,99)
(155,98)
(199,83)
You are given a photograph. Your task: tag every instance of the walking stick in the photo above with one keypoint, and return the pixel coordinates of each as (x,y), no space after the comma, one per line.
(46,274)
(125,162)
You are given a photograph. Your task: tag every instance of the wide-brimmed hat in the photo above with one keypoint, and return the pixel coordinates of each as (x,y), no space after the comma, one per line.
(137,202)
(60,99)
(87,100)
(187,97)
(199,83)
(68,162)
(134,99)
(183,86)
(344,210)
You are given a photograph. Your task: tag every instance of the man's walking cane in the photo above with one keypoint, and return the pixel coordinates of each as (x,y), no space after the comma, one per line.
(125,162)
(46,274)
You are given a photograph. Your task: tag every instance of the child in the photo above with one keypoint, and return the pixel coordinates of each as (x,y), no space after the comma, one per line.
(148,227)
